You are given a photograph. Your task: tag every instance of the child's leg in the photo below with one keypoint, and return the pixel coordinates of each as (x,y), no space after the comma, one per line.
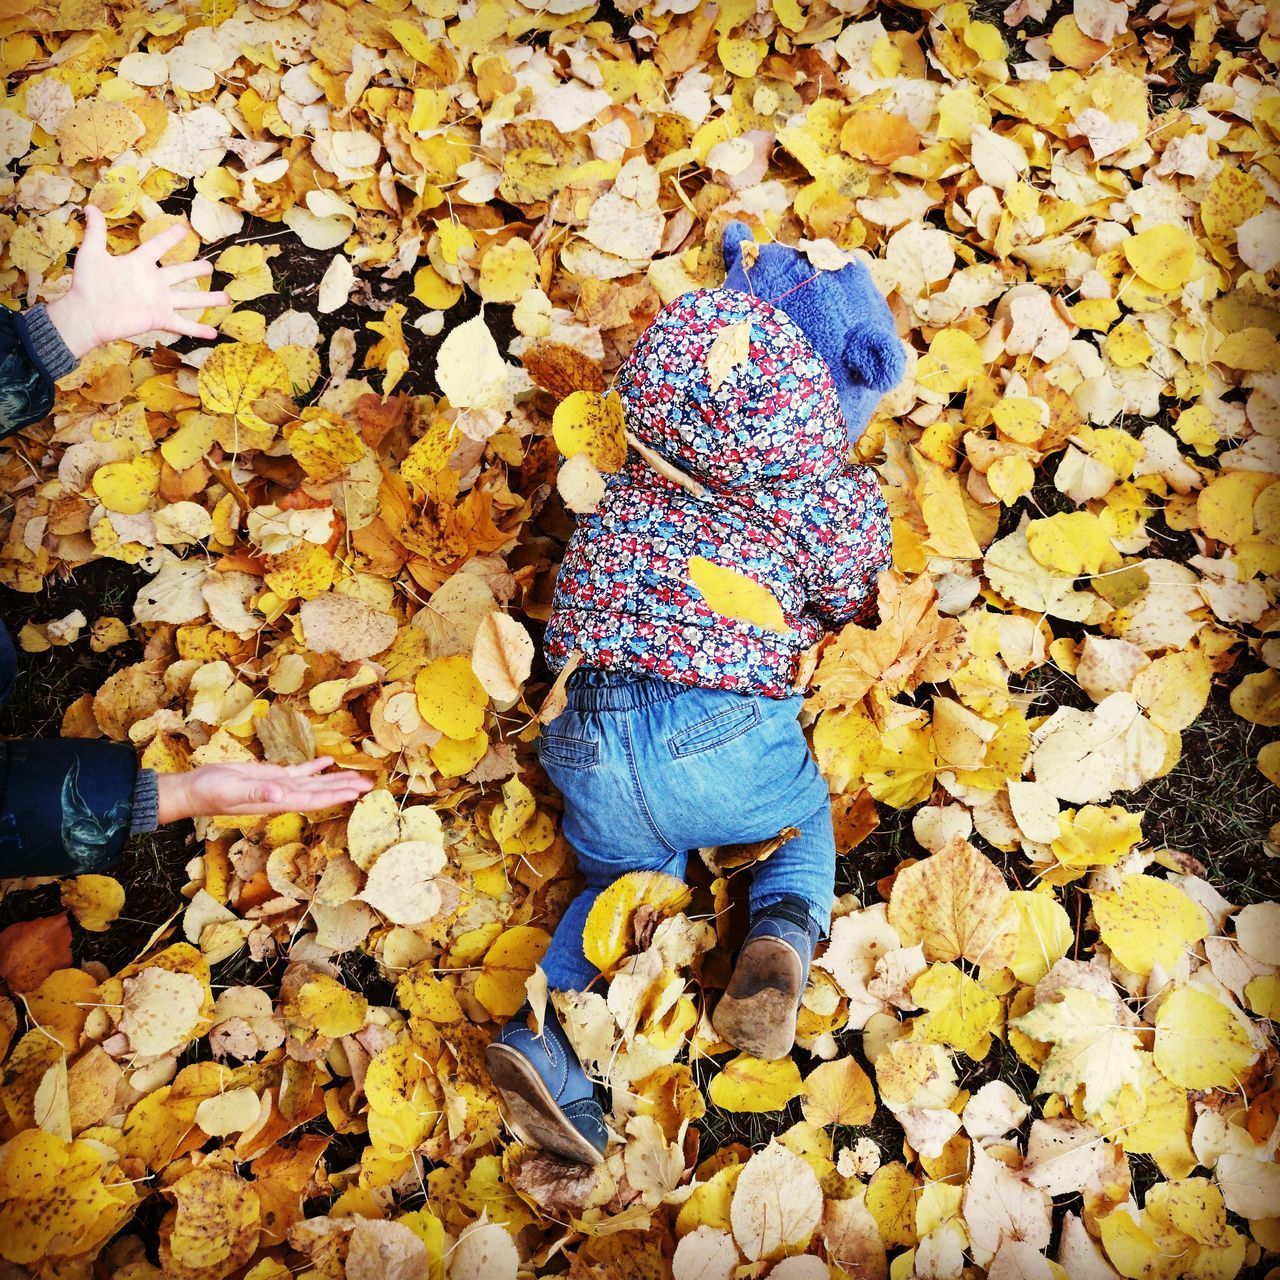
(803,867)
(721,768)
(587,752)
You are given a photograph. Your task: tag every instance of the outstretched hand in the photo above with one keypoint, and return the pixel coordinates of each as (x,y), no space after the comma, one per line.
(120,297)
(232,789)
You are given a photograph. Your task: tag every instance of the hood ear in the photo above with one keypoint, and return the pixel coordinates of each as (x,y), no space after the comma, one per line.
(874,356)
(734,234)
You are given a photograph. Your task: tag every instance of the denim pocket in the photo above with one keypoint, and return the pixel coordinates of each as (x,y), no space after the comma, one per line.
(568,752)
(715,730)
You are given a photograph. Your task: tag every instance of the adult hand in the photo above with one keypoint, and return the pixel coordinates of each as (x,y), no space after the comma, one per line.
(231,789)
(121,297)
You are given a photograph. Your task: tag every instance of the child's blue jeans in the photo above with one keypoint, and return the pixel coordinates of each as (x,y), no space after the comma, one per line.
(651,770)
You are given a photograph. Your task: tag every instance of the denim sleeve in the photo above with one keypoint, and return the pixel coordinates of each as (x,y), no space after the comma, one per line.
(32,357)
(66,805)
(851,545)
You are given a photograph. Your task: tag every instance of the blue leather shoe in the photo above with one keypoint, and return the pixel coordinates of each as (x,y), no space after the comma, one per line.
(548,1100)
(757,1012)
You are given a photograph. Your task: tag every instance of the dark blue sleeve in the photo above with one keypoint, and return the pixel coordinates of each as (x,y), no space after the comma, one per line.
(67,805)
(32,357)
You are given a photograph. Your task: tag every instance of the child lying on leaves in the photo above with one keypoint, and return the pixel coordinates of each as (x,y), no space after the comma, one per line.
(68,805)
(681,726)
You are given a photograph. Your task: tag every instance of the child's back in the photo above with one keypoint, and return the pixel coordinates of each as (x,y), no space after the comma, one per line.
(767,439)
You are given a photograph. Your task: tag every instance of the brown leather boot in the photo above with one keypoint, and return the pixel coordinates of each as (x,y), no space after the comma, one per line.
(757,1012)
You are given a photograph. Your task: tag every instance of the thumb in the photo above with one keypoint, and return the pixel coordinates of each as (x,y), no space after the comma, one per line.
(266,793)
(95,231)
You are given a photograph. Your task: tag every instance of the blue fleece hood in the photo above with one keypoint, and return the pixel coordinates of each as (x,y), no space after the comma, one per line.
(842,314)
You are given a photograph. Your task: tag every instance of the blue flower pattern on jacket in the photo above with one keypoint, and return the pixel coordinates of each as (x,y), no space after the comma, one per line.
(782,506)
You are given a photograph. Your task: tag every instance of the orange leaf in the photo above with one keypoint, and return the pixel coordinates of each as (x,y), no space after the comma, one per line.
(32,949)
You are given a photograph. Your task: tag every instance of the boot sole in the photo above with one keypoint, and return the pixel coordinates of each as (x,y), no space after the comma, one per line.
(757,1013)
(530,1109)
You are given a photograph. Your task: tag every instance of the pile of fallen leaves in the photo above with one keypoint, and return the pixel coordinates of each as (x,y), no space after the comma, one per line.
(1082,468)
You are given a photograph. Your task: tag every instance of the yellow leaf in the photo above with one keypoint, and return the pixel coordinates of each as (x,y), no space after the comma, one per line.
(323,445)
(413,40)
(1128,345)
(95,901)
(450,698)
(956,905)
(1149,922)
(216,1225)
(1257,698)
(1096,837)
(236,375)
(1233,197)
(1200,1042)
(1224,507)
(1164,255)
(303,572)
(838,1092)
(1072,543)
(607,936)
(958,1011)
(31,1164)
(1090,1046)
(891,1199)
(740,56)
(507,966)
(1011,478)
(953,361)
(737,596)
(1269,762)
(329,1008)
(95,129)
(431,288)
(1263,996)
(1044,935)
(128,487)
(752,1084)
(507,271)
(1174,689)
(942,504)
(590,422)
(453,757)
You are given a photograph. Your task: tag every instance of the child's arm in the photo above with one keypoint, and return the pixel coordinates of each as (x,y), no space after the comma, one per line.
(109,298)
(851,545)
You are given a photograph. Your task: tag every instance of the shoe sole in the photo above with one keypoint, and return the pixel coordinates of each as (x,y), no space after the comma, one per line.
(757,1013)
(530,1109)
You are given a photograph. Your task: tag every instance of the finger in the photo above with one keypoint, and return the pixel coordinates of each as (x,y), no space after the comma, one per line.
(197,299)
(181,271)
(95,231)
(154,249)
(309,767)
(267,794)
(189,328)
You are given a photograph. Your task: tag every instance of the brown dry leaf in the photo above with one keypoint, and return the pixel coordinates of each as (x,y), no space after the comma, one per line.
(912,645)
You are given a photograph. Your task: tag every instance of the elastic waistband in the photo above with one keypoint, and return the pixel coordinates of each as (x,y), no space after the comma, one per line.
(593,689)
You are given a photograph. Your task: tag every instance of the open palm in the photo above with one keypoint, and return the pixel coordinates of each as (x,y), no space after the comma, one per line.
(258,789)
(120,297)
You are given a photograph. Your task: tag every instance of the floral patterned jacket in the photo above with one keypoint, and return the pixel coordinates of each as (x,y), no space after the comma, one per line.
(67,805)
(752,414)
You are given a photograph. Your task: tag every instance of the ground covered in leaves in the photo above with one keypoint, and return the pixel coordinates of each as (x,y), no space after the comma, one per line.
(1039,1041)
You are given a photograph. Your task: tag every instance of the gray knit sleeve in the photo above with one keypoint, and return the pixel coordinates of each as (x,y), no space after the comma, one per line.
(47,342)
(146,803)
